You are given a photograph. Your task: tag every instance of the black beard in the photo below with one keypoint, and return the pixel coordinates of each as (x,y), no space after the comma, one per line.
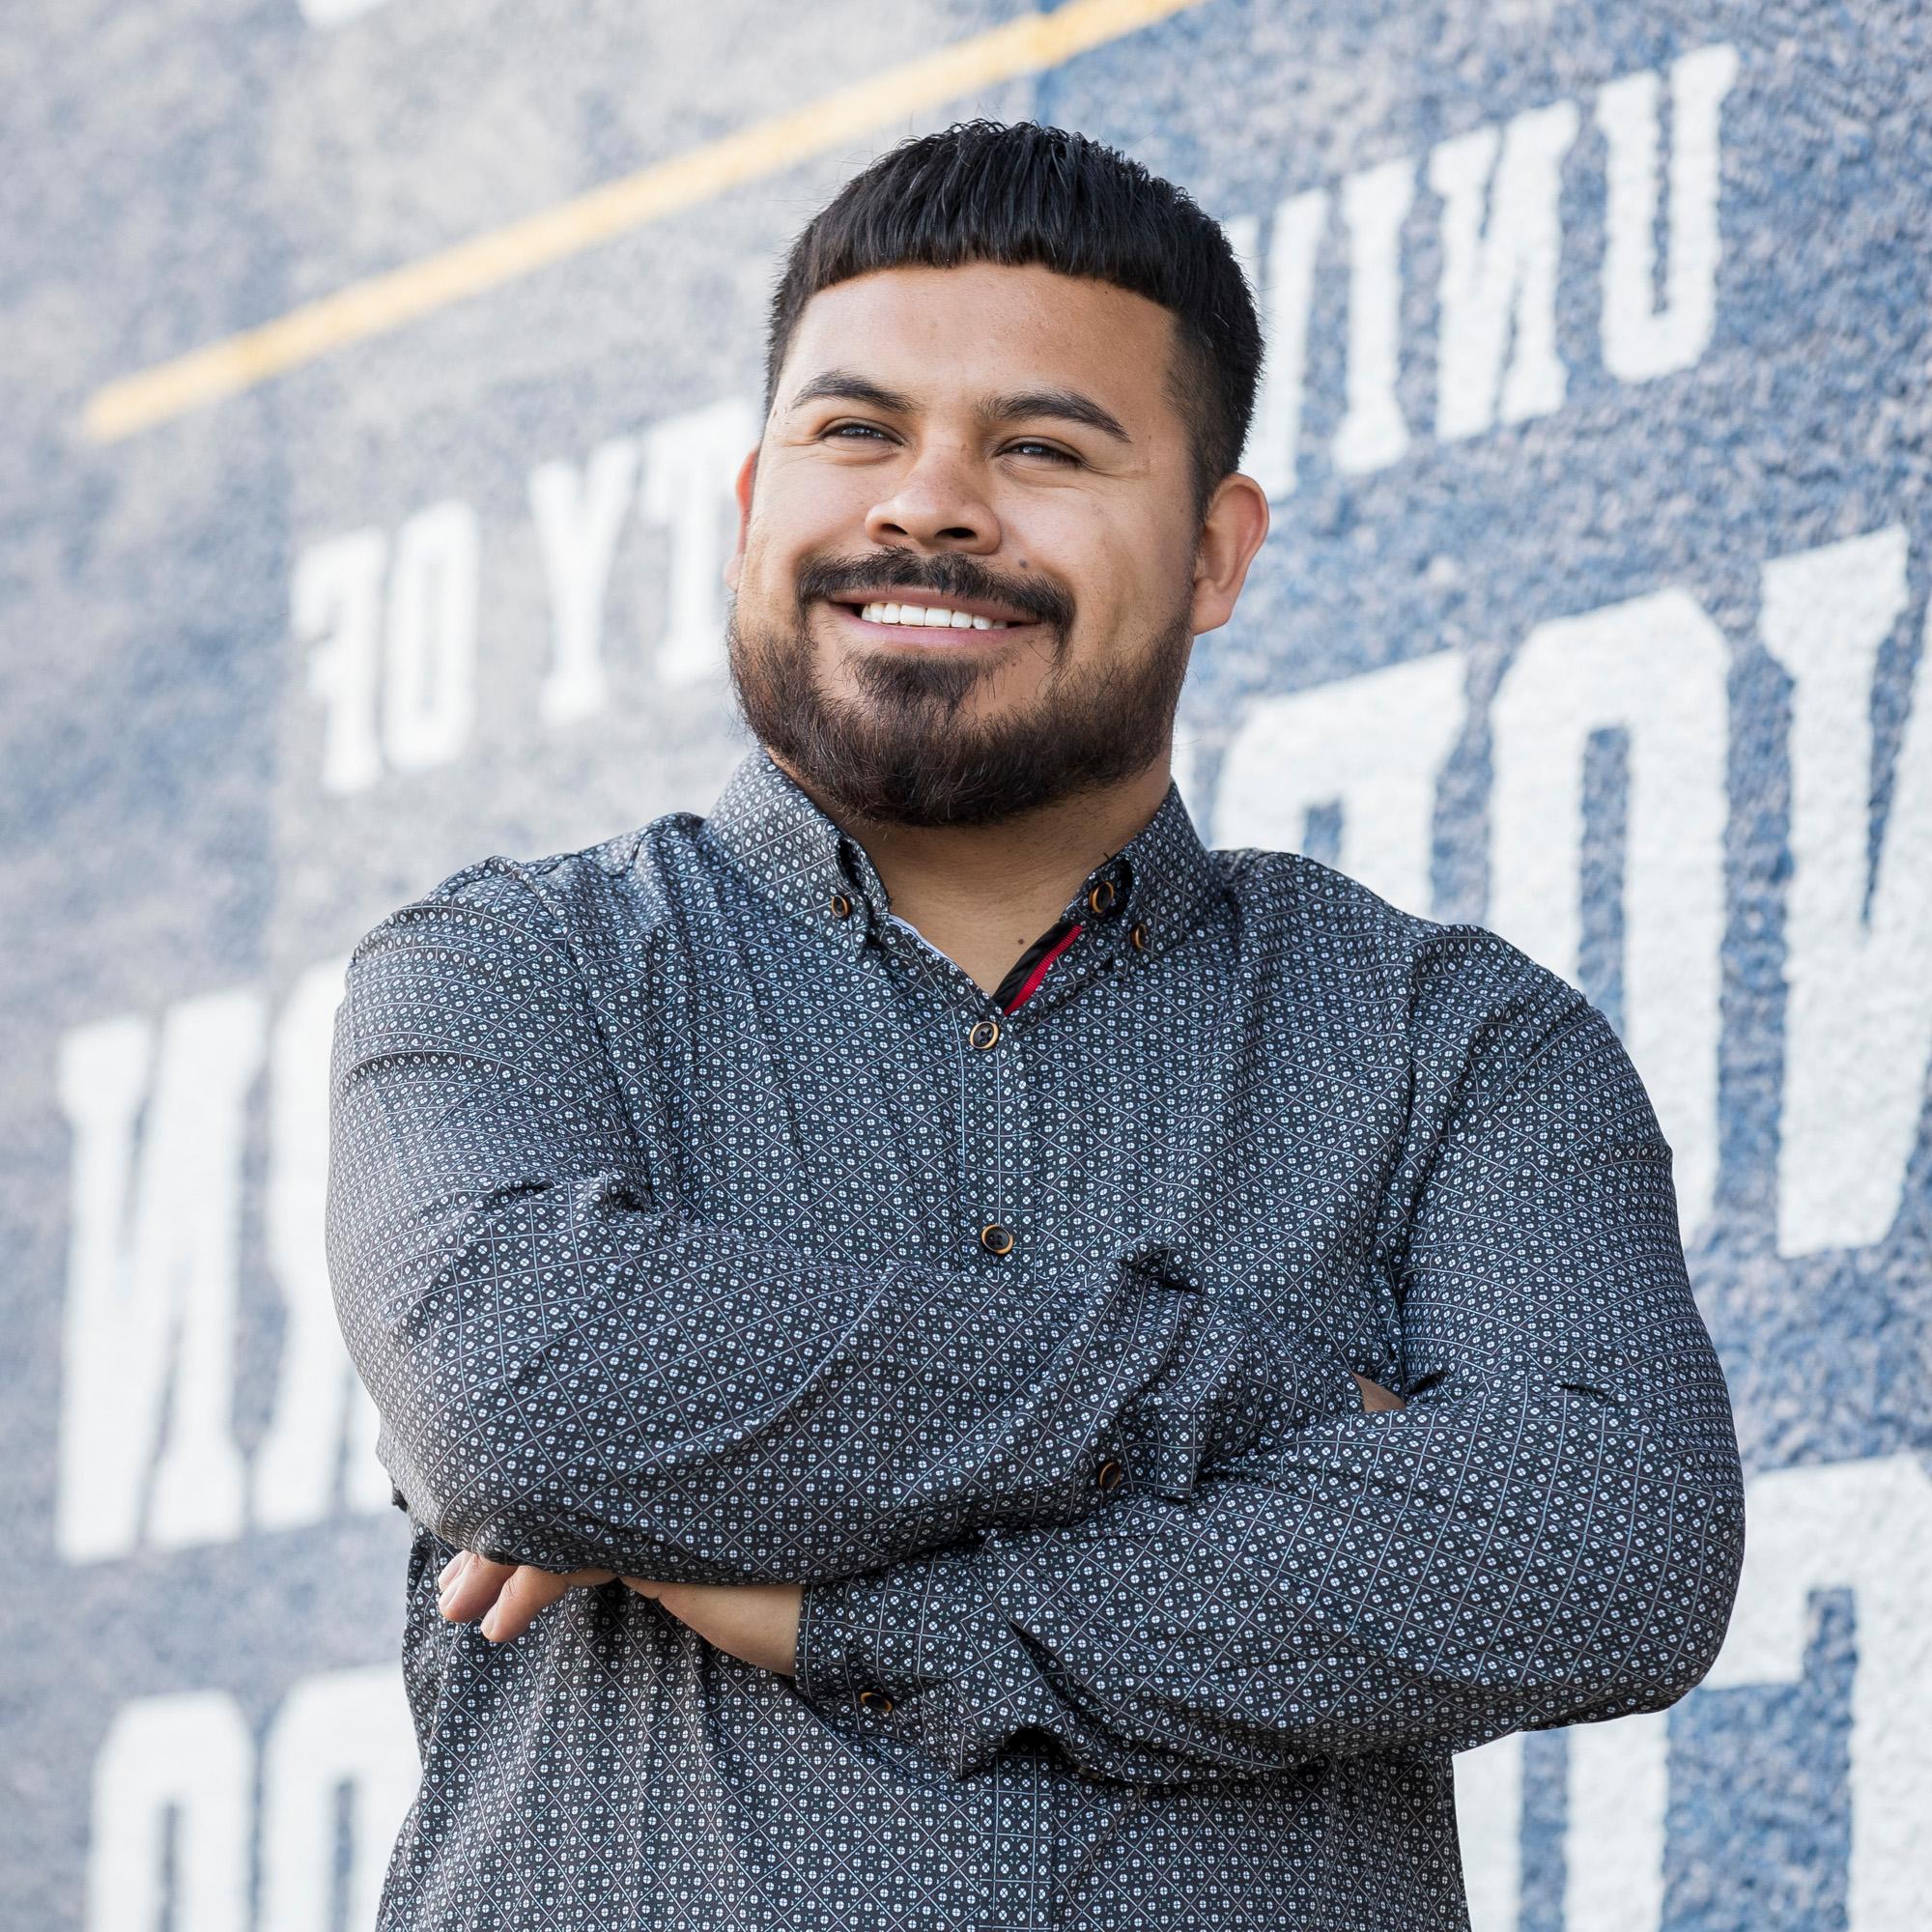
(902,754)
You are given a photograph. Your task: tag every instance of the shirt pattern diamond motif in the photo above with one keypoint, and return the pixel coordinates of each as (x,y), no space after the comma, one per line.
(659,1177)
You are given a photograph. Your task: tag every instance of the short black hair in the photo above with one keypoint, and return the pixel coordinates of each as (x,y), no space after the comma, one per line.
(1019,193)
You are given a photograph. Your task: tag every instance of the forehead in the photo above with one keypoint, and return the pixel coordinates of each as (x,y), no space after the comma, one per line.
(933,333)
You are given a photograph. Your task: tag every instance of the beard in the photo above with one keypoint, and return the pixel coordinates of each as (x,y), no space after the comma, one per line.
(903,751)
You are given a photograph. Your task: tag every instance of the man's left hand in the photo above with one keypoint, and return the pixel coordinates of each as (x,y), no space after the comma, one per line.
(756,1623)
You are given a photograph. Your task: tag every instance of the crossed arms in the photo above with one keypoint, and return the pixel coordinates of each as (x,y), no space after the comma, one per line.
(757,1623)
(572,1375)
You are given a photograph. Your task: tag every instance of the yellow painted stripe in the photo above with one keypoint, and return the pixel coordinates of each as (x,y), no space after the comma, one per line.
(1028,45)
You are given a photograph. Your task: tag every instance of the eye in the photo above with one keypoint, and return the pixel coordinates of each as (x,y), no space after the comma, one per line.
(870,432)
(1047,449)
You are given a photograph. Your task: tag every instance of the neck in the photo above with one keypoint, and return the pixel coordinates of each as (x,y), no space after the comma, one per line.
(982,894)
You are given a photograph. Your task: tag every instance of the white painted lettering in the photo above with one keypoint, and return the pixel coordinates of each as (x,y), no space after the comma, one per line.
(580,514)
(1375,744)
(1500,277)
(691,463)
(1286,291)
(1655,668)
(1867,1527)
(1375,204)
(1858,1027)
(335,612)
(429,684)
(150,1313)
(1488,1822)
(350,1727)
(1613,1839)
(188,1754)
(1642,339)
(321,1406)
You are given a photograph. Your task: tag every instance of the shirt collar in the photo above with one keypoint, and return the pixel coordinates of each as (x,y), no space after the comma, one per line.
(1157,886)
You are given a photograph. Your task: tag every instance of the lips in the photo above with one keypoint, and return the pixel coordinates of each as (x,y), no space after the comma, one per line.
(940,636)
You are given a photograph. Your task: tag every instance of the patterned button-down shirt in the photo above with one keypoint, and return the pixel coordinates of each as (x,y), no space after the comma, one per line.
(691,1217)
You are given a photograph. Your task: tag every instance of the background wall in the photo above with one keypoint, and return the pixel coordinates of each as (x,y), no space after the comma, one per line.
(1593,610)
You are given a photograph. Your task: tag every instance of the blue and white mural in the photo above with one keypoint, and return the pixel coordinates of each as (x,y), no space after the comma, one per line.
(376,375)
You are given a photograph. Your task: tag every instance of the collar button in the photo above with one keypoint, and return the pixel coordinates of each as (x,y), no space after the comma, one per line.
(1104,899)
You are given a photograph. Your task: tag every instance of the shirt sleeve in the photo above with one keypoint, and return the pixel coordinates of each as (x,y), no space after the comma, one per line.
(1550,1530)
(572,1373)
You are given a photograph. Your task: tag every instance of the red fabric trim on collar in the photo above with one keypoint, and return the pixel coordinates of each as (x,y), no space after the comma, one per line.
(1041,954)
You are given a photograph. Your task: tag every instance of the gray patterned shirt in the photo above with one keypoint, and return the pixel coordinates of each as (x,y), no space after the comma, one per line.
(691,1216)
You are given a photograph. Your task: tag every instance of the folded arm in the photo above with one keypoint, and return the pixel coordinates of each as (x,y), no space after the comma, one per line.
(571,1372)
(1549,1531)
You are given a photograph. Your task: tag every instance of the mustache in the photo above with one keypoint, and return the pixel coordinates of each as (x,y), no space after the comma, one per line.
(945,574)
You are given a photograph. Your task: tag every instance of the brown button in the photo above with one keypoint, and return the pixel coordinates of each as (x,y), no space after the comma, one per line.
(841,906)
(985,1033)
(1102,898)
(1138,937)
(995,1240)
(1108,1475)
(875,1700)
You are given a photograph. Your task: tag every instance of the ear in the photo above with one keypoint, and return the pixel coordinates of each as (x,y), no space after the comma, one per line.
(747,473)
(1236,526)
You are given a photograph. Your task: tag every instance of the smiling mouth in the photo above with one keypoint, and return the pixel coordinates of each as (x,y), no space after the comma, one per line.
(926,623)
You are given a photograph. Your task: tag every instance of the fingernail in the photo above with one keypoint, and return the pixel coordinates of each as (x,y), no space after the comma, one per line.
(485,1626)
(450,1568)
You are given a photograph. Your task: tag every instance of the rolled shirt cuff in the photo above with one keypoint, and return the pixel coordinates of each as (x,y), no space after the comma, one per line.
(922,1650)
(1244,1383)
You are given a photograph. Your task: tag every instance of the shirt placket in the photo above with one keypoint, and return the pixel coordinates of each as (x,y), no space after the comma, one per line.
(999,1139)
(992,1104)
(966,1026)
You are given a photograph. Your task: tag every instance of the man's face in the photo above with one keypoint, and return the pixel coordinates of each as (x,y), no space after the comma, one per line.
(1000,443)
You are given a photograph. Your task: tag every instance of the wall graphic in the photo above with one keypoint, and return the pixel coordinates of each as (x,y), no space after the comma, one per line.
(376,377)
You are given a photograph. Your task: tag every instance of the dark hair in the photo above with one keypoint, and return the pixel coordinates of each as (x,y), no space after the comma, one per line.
(1019,193)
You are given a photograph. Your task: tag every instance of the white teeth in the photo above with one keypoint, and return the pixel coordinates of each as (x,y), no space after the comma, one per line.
(930,617)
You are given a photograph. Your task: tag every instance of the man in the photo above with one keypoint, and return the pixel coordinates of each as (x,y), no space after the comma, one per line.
(955,1358)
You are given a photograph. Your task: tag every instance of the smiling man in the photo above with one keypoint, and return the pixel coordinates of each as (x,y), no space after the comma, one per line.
(954,1357)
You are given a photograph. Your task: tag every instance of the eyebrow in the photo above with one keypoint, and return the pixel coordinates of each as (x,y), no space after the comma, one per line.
(1017,406)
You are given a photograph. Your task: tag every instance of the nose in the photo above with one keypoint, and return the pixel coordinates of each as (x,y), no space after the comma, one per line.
(936,502)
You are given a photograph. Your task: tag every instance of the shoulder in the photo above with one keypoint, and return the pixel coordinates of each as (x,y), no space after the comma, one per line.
(1472,1010)
(1290,894)
(1323,920)
(603,906)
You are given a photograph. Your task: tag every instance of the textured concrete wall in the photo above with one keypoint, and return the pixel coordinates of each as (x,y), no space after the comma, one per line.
(1597,435)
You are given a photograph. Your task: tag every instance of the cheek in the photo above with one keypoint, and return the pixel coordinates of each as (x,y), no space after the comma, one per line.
(793,515)
(820,504)
(1107,559)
